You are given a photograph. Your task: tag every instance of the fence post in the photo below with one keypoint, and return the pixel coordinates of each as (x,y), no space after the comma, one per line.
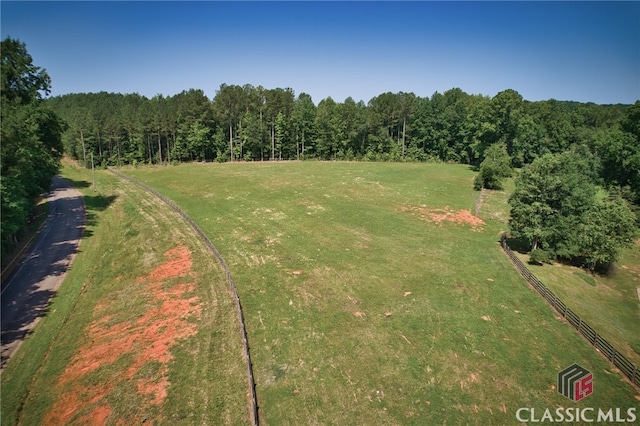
(251,381)
(540,288)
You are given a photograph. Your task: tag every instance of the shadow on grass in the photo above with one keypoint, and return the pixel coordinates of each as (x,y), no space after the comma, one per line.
(79,184)
(27,292)
(93,205)
(523,247)
(518,245)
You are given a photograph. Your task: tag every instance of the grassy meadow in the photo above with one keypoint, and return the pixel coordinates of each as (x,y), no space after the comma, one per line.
(98,356)
(363,306)
(609,303)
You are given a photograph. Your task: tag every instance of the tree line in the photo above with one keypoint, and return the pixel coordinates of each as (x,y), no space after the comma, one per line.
(248,123)
(580,161)
(579,205)
(31,145)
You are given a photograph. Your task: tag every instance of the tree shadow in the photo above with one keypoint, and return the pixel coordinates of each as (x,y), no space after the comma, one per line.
(78,183)
(16,323)
(518,245)
(93,205)
(98,203)
(28,290)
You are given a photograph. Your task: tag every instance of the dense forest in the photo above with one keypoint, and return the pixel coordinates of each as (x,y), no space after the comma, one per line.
(247,123)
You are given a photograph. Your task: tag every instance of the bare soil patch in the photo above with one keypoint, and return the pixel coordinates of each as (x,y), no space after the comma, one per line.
(147,339)
(446,214)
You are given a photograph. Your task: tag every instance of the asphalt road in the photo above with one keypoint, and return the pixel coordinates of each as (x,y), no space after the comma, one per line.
(26,294)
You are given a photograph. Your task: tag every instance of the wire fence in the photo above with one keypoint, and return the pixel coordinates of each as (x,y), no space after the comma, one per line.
(607,349)
(223,264)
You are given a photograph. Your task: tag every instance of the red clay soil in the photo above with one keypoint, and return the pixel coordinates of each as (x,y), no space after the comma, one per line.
(446,215)
(148,338)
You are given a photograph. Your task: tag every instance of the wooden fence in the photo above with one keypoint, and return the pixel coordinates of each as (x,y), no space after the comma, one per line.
(223,264)
(601,345)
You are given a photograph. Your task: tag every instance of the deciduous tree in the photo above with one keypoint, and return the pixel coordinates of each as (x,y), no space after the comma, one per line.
(494,169)
(551,196)
(31,138)
(607,228)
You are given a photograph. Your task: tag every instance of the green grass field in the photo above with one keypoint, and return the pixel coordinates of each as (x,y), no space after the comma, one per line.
(362,310)
(106,302)
(608,303)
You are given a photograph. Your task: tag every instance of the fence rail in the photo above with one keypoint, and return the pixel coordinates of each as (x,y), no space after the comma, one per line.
(223,264)
(605,348)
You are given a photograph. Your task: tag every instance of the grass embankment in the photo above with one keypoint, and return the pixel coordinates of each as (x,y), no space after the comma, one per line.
(371,299)
(608,303)
(142,330)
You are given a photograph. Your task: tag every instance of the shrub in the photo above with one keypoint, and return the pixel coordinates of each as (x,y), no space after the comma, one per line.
(539,256)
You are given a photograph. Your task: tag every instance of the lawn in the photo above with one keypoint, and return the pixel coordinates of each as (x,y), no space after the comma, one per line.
(372,297)
(142,330)
(608,303)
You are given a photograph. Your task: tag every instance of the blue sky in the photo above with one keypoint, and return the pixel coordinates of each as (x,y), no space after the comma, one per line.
(581,51)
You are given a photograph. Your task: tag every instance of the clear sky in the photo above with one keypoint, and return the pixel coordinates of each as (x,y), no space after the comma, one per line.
(581,51)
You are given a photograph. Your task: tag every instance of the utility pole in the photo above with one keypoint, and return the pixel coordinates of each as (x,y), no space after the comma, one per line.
(93,172)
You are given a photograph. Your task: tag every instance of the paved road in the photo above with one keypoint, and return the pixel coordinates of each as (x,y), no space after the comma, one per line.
(27,293)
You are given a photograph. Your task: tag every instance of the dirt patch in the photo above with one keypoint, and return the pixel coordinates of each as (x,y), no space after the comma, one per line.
(98,416)
(445,215)
(147,339)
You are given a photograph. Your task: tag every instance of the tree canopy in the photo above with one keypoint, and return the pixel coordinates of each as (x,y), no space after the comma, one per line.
(494,169)
(249,123)
(31,138)
(557,207)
